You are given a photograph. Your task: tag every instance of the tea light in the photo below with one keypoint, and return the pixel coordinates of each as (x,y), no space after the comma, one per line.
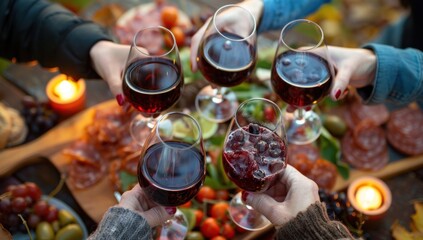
(370,196)
(65,96)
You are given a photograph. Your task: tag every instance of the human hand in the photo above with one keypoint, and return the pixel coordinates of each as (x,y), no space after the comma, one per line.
(255,7)
(108,60)
(355,67)
(291,194)
(137,201)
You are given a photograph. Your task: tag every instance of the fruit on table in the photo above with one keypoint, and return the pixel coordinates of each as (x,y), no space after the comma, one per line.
(44,231)
(70,232)
(65,217)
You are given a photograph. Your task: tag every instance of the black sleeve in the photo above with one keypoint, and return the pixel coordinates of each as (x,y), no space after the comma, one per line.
(52,35)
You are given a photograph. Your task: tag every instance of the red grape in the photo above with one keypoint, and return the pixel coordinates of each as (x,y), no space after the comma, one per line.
(19,204)
(19,191)
(33,191)
(52,214)
(41,208)
(5,206)
(33,220)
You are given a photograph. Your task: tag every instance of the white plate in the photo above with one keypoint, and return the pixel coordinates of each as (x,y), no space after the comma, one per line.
(59,205)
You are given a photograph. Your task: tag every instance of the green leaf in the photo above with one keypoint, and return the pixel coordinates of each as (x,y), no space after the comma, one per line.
(330,149)
(190,216)
(244,91)
(127,180)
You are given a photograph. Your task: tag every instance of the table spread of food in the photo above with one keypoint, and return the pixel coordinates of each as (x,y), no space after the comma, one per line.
(99,160)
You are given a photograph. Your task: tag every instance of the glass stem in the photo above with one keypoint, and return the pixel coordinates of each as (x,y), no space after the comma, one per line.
(218,95)
(299,114)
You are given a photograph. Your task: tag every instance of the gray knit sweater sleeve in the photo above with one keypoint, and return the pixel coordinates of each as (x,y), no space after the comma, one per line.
(121,223)
(313,224)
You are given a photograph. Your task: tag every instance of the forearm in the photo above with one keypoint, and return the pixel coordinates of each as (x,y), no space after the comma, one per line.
(121,223)
(398,78)
(50,34)
(277,13)
(313,224)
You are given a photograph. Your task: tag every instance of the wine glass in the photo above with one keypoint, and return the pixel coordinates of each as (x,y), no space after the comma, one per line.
(153,78)
(254,154)
(226,57)
(302,75)
(172,167)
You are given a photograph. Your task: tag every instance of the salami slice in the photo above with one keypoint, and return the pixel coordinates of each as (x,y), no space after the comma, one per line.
(379,114)
(405,131)
(365,147)
(324,174)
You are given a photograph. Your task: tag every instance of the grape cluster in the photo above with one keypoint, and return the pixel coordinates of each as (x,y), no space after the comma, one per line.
(39,117)
(340,209)
(25,199)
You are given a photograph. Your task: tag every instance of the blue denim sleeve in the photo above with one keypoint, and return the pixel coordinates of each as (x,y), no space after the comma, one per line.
(277,13)
(399,75)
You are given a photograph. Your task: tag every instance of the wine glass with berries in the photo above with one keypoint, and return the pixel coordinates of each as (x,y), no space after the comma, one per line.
(153,78)
(226,57)
(302,75)
(254,154)
(172,167)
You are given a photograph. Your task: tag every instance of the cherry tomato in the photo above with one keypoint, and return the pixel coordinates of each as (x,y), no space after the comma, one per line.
(179,35)
(199,214)
(269,114)
(169,16)
(186,205)
(206,192)
(210,228)
(228,231)
(219,211)
(222,194)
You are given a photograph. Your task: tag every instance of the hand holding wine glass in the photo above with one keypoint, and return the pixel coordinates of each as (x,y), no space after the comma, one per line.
(153,78)
(302,75)
(226,57)
(254,154)
(172,166)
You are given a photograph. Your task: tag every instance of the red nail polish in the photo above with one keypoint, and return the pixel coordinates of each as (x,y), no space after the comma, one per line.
(170,210)
(120,99)
(244,196)
(338,94)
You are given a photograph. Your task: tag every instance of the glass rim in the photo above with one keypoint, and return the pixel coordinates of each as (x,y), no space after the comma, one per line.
(279,123)
(232,39)
(317,45)
(191,145)
(149,28)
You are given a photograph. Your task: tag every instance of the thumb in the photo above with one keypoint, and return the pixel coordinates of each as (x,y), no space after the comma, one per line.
(157,215)
(262,203)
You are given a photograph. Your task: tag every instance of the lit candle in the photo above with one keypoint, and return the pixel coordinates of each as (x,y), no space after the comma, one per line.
(65,96)
(370,196)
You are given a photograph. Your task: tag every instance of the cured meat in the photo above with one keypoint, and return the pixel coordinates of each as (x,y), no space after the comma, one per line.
(324,174)
(405,131)
(365,147)
(302,157)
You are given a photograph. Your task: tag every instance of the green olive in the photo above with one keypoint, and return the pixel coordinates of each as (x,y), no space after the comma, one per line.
(70,232)
(65,217)
(335,125)
(44,231)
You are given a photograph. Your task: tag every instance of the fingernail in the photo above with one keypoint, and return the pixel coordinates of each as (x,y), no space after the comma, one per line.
(170,210)
(120,99)
(338,94)
(244,196)
(308,108)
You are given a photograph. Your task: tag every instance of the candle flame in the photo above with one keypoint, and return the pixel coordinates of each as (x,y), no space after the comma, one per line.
(65,90)
(368,198)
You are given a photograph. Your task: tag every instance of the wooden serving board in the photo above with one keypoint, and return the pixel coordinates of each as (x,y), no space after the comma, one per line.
(97,199)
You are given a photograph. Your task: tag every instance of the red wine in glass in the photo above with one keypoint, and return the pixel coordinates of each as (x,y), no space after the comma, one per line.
(253,160)
(175,179)
(301,78)
(152,85)
(225,62)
